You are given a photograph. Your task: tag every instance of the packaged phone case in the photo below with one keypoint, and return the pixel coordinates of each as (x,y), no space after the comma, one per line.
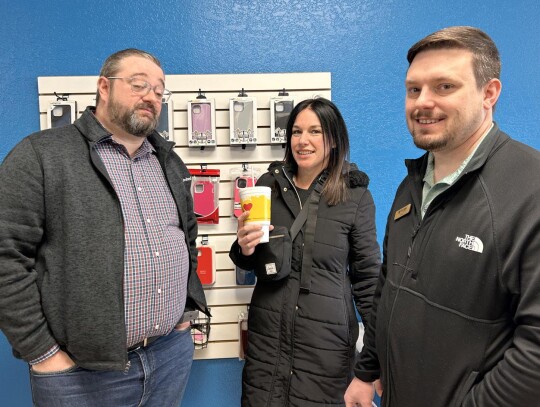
(206,265)
(244,176)
(280,110)
(242,335)
(61,113)
(205,192)
(200,331)
(243,120)
(201,122)
(165,125)
(245,277)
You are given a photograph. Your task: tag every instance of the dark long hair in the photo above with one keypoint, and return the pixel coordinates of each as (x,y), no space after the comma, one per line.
(336,141)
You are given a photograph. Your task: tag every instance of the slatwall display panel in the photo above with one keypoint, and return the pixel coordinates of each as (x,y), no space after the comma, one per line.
(225,298)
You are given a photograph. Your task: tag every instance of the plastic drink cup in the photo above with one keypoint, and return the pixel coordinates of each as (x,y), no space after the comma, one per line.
(256,200)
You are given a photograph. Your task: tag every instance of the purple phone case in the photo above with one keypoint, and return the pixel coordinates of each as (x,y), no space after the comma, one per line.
(201,121)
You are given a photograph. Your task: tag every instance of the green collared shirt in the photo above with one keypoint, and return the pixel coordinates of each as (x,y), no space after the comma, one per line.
(431,190)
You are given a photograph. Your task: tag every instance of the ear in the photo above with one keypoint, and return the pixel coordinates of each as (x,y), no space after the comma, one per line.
(104,88)
(492,90)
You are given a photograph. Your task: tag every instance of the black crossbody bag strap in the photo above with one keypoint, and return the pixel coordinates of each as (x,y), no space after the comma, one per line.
(298,222)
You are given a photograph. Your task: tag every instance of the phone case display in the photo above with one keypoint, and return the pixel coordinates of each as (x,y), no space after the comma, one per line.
(242,177)
(165,125)
(61,113)
(243,119)
(205,192)
(242,334)
(200,331)
(206,265)
(245,277)
(201,122)
(280,110)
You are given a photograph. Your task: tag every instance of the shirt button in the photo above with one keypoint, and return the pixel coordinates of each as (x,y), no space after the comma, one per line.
(276,171)
(148,221)
(139,189)
(285,189)
(159,290)
(157,254)
(157,326)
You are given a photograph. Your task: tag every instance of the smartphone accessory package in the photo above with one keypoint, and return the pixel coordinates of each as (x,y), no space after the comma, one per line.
(280,110)
(206,262)
(245,277)
(62,112)
(242,177)
(243,119)
(242,335)
(205,192)
(165,126)
(201,122)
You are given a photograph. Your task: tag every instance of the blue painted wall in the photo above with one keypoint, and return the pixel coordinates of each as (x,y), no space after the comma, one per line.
(363,43)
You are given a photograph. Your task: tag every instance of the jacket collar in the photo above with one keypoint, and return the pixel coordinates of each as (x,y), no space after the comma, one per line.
(93,131)
(492,142)
(355,177)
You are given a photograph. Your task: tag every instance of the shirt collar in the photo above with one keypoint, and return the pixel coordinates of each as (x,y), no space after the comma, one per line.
(450,178)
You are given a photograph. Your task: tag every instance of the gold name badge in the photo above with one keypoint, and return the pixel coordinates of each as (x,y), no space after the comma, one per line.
(402,212)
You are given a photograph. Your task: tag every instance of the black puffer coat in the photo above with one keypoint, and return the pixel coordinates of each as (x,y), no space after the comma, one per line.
(302,346)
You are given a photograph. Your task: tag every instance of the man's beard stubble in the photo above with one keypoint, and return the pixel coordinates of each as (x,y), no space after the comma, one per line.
(433,144)
(129,121)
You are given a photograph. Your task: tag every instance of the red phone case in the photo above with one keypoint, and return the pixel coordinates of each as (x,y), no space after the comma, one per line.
(205,265)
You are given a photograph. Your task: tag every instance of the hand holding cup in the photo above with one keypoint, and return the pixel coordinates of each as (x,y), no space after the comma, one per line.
(254,223)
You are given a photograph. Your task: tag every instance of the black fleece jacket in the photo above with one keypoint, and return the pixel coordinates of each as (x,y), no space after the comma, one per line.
(456,318)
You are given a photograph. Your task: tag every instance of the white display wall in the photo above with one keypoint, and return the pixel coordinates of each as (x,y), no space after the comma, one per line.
(224,297)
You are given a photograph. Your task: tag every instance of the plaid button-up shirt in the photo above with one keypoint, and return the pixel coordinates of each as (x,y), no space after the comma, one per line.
(156,261)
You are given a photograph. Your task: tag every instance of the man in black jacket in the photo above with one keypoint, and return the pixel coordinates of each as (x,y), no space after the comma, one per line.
(97,250)
(456,314)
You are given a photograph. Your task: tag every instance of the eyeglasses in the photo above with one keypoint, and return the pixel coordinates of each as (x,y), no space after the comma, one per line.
(142,88)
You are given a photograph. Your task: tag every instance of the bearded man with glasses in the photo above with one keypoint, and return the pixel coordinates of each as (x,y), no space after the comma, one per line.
(98,260)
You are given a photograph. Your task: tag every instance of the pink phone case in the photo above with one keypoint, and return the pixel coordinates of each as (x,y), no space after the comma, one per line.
(203,197)
(249,182)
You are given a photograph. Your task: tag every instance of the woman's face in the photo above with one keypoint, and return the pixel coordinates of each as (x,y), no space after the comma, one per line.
(308,143)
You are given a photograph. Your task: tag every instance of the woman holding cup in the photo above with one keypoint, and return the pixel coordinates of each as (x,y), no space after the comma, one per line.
(322,259)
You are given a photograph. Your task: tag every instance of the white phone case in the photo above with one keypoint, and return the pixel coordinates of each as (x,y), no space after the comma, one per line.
(243,120)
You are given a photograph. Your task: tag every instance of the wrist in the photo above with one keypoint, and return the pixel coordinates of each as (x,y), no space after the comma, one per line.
(47,355)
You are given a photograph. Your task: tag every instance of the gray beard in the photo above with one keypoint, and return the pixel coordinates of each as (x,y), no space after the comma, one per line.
(130,122)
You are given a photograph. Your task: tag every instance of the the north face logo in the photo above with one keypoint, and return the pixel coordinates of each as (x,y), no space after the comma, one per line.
(470,243)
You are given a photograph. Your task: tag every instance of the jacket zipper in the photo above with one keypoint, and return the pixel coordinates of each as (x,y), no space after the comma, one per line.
(286,399)
(119,206)
(409,252)
(294,186)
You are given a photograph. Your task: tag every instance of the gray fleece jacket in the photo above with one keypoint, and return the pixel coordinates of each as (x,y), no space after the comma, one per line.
(62,245)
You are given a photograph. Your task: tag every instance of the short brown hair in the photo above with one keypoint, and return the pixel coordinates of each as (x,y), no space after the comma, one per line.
(486,59)
(112,64)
